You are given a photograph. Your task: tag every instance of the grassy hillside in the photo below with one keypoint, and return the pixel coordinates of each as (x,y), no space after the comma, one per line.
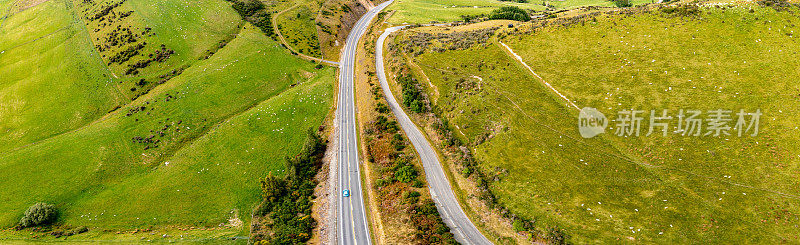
(426,11)
(52,78)
(316,28)
(88,48)
(650,189)
(298,25)
(188,149)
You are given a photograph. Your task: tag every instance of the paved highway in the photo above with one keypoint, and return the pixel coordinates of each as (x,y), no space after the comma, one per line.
(452,214)
(351,219)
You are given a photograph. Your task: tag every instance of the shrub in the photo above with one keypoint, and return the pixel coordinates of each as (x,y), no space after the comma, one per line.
(412,95)
(411,196)
(272,188)
(38,214)
(623,3)
(556,236)
(383,125)
(382,108)
(79,230)
(518,226)
(775,4)
(471,18)
(286,207)
(406,174)
(682,10)
(398,142)
(430,228)
(510,13)
(381,183)
(466,172)
(256,13)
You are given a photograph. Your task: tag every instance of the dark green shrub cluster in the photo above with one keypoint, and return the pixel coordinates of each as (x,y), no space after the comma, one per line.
(412,94)
(127,54)
(68,232)
(382,108)
(160,55)
(775,4)
(510,13)
(38,214)
(472,18)
(287,201)
(382,124)
(105,10)
(623,3)
(430,228)
(404,171)
(255,12)
(682,10)
(398,142)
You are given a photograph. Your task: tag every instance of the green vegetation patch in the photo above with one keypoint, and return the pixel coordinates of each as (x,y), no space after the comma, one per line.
(426,11)
(300,30)
(52,79)
(65,64)
(645,189)
(510,13)
(189,153)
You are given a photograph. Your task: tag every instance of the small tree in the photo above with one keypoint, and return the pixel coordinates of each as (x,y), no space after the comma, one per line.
(38,214)
(623,3)
(406,174)
(272,188)
(510,13)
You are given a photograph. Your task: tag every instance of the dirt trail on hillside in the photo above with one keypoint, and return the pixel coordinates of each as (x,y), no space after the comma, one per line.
(519,59)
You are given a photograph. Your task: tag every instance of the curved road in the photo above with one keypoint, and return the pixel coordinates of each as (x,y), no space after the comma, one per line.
(351,219)
(446,202)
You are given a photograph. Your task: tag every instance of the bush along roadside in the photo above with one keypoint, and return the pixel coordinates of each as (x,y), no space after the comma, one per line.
(406,210)
(284,215)
(467,166)
(398,180)
(413,97)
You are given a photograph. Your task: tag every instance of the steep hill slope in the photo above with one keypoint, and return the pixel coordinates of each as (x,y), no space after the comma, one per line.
(179,142)
(648,188)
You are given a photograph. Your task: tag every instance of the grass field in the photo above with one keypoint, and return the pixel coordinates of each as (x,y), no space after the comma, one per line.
(89,86)
(426,11)
(647,189)
(52,79)
(299,27)
(187,152)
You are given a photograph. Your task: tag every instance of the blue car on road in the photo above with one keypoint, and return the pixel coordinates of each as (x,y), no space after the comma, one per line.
(346,193)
